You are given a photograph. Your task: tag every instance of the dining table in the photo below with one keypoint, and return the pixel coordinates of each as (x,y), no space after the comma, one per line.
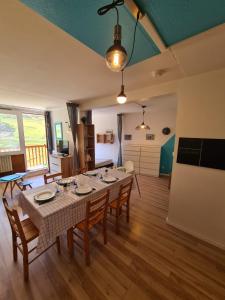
(67,208)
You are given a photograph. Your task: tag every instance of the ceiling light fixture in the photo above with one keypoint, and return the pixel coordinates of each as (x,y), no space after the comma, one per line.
(143,125)
(122,98)
(116,55)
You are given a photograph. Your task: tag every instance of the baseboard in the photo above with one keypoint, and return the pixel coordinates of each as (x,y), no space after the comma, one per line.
(34,173)
(195,234)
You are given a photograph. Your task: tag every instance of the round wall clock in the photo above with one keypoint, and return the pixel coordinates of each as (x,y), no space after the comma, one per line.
(166,130)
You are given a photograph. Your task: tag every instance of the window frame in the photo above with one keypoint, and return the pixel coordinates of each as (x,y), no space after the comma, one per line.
(19,113)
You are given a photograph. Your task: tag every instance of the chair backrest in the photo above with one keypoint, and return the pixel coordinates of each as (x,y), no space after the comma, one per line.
(14,221)
(52,176)
(129,166)
(97,209)
(124,193)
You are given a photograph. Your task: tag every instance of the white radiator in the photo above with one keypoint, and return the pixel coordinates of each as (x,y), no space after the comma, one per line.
(5,163)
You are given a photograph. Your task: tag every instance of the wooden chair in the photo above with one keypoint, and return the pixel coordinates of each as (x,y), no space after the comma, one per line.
(51,176)
(82,170)
(96,212)
(129,169)
(24,185)
(122,200)
(24,231)
(169,181)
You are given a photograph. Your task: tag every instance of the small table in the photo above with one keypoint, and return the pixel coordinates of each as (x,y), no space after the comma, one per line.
(12,180)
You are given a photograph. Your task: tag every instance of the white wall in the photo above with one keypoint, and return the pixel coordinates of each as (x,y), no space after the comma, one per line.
(161,112)
(105,121)
(156,119)
(197,199)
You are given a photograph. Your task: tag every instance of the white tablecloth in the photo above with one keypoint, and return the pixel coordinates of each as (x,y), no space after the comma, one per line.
(66,210)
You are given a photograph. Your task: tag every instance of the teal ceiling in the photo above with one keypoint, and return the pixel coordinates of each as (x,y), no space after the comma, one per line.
(175,20)
(79,18)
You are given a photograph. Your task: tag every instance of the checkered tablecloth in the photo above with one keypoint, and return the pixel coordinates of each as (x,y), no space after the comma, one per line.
(66,210)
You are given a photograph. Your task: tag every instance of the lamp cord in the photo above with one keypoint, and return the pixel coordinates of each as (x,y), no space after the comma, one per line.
(132,51)
(134,38)
(106,8)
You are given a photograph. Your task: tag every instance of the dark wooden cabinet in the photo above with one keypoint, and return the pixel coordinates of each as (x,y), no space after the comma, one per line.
(86,146)
(10,164)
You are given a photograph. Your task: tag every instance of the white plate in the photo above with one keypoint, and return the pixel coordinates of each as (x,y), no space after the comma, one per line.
(83,190)
(92,173)
(109,179)
(44,195)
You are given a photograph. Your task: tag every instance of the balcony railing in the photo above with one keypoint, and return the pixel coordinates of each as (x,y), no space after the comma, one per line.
(36,156)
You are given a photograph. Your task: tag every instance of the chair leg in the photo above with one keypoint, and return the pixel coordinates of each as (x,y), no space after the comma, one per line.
(23,188)
(5,188)
(86,248)
(30,186)
(58,244)
(137,185)
(117,221)
(25,266)
(11,189)
(70,241)
(128,211)
(14,247)
(105,231)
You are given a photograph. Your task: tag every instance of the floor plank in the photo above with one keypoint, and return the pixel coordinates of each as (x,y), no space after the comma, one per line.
(148,260)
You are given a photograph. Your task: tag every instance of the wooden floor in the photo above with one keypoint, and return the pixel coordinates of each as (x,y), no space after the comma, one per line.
(149,260)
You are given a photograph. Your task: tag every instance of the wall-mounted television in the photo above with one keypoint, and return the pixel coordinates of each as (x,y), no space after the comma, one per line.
(62,146)
(209,153)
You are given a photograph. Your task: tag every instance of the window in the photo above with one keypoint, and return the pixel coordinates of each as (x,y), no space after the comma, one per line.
(34,129)
(9,133)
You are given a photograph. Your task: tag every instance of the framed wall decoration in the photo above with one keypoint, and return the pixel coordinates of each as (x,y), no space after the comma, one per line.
(150,136)
(127,137)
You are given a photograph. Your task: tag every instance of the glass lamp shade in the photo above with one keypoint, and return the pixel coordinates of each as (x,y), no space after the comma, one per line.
(121,98)
(116,58)
(143,126)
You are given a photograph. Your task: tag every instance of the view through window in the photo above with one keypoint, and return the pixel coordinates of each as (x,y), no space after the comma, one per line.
(9,133)
(34,129)
(35,141)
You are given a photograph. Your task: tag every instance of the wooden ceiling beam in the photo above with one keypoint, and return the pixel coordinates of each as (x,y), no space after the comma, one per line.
(147,24)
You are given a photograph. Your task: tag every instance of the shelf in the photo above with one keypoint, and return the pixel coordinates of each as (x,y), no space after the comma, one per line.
(106,138)
(86,145)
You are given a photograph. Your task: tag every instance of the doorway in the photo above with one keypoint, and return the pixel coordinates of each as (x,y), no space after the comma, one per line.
(35,141)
